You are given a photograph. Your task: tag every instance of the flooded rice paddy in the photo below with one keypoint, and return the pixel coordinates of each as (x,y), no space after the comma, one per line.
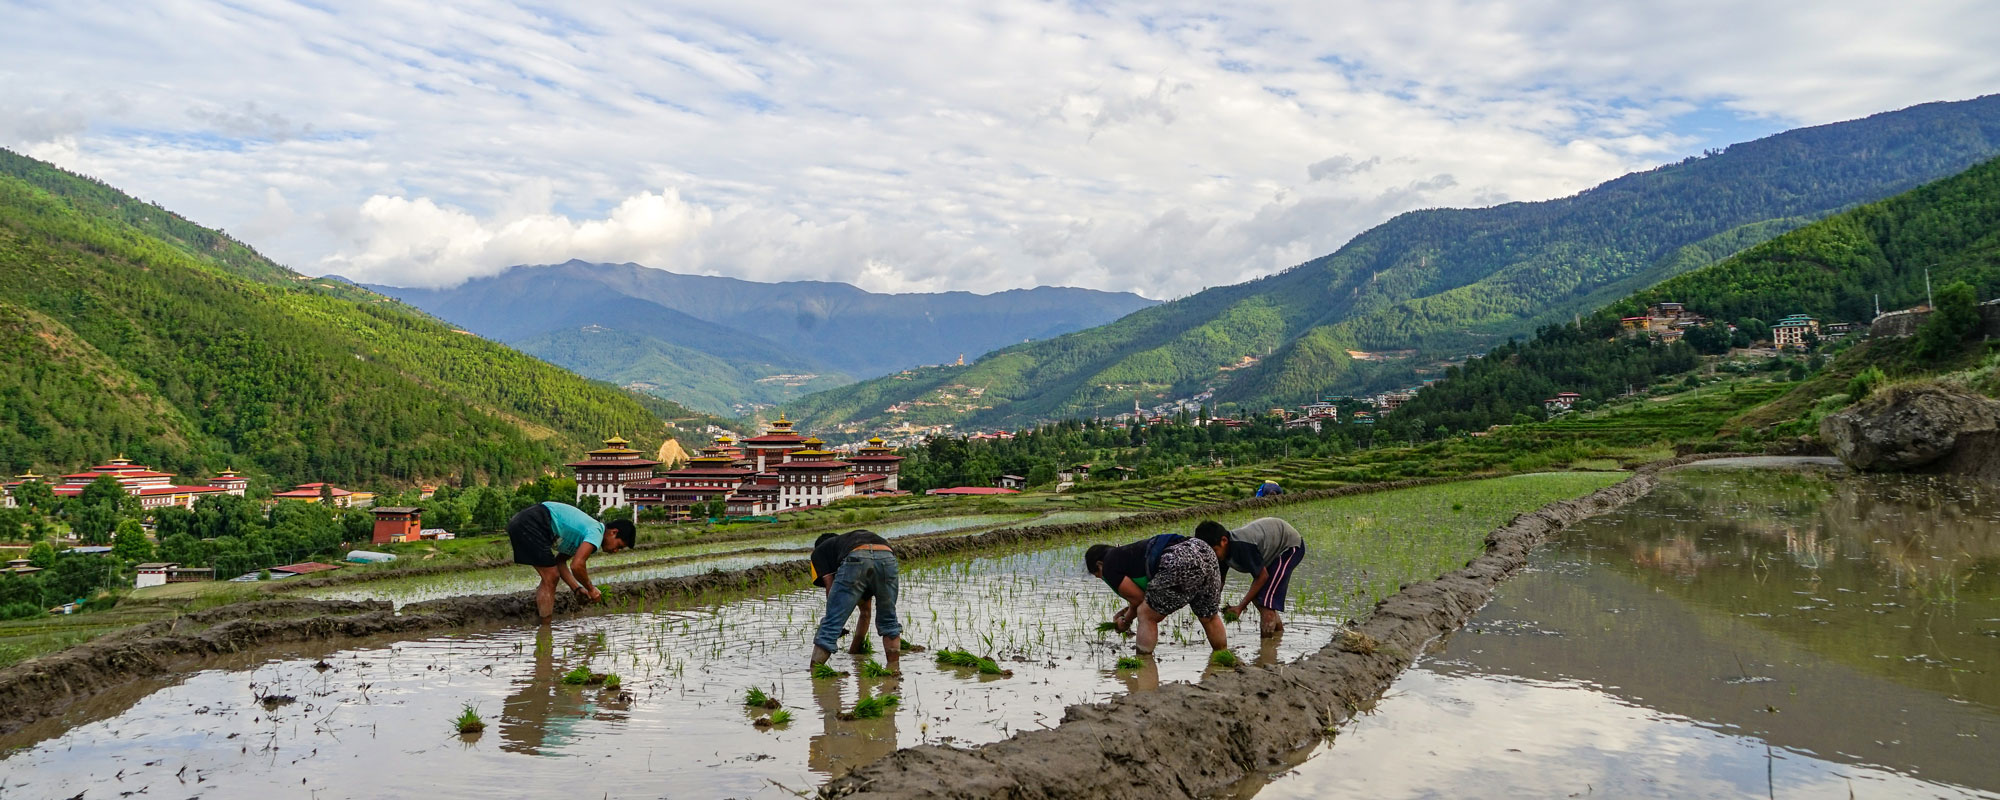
(686,559)
(372,718)
(1739,632)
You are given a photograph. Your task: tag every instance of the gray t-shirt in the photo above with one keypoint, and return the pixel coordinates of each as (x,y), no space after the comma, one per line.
(1258,544)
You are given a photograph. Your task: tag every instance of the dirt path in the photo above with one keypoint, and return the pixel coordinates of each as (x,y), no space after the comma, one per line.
(1192,740)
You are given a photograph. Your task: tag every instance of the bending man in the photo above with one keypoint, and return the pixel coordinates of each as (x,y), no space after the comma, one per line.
(1187,574)
(1267,549)
(556,539)
(857,569)
(1127,569)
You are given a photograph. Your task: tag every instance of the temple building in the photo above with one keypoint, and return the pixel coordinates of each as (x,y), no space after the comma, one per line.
(605,472)
(877,458)
(778,471)
(154,489)
(772,448)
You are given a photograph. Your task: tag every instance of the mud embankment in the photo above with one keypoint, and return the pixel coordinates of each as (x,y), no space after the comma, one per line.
(44,686)
(1192,740)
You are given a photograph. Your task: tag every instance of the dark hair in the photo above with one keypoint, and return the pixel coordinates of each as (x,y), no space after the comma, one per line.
(1211,532)
(822,539)
(624,529)
(1094,557)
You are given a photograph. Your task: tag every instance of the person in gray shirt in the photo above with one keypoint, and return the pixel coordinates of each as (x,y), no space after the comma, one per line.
(1269,549)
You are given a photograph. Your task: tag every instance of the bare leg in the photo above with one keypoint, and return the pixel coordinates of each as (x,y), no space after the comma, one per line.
(1268,622)
(1218,634)
(545,594)
(892,652)
(1149,628)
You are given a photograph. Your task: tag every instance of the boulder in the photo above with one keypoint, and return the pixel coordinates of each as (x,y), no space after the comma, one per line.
(1913,426)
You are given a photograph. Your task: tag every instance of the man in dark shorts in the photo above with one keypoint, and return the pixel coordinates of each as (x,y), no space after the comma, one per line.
(857,569)
(1127,569)
(1268,549)
(556,539)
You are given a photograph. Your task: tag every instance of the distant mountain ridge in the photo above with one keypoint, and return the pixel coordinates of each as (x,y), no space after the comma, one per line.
(1433,284)
(715,342)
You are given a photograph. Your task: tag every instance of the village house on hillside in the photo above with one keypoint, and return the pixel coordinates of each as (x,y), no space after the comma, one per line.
(1563,401)
(154,489)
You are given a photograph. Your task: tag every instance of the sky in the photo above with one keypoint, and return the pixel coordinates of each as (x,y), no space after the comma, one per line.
(1155,147)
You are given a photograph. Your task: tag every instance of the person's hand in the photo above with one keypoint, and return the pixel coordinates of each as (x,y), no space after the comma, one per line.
(596,595)
(581,595)
(1238,609)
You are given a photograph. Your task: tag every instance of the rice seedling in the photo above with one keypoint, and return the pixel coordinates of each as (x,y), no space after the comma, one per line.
(612,681)
(578,676)
(1130,662)
(1223,658)
(873,669)
(781,717)
(468,720)
(1230,616)
(823,672)
(872,708)
(964,658)
(756,698)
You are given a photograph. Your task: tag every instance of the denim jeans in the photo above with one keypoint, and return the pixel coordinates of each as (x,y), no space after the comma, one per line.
(865,573)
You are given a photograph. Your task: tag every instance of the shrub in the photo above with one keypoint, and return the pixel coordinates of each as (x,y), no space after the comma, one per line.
(20,611)
(1864,382)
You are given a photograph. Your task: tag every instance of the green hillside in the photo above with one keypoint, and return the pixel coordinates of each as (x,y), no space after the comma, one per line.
(1431,285)
(647,364)
(127,328)
(1833,269)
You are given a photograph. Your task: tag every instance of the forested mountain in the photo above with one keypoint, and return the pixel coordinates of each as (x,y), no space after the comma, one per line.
(1429,285)
(1833,270)
(716,343)
(125,328)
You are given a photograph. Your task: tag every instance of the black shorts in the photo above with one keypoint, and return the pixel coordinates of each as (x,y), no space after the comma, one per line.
(533,533)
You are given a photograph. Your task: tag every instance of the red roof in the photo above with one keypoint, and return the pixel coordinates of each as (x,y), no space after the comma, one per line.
(616,462)
(872,458)
(812,465)
(975,490)
(696,472)
(775,438)
(312,490)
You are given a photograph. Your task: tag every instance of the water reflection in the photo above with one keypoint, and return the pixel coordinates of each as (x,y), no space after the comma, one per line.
(1766,632)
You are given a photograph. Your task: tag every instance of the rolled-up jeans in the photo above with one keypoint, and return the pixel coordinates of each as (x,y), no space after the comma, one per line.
(865,573)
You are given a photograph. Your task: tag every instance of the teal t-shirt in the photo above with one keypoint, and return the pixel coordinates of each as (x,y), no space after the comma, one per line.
(573,528)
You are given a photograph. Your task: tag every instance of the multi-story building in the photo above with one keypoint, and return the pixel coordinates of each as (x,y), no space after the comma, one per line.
(605,472)
(777,471)
(877,458)
(1791,331)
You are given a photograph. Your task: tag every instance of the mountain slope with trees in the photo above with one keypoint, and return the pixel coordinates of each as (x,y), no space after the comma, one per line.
(1833,270)
(127,328)
(1433,284)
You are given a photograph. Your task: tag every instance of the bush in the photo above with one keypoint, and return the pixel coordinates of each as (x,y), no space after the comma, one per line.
(20,611)
(1865,382)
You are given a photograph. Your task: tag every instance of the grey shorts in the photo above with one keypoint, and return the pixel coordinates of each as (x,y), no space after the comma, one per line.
(1188,575)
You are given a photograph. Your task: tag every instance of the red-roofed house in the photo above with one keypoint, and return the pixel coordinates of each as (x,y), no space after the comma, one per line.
(154,489)
(341,498)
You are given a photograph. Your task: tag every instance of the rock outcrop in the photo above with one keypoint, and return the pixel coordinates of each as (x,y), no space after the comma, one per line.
(1927,427)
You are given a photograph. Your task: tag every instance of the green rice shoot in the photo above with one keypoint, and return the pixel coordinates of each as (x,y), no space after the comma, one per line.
(873,707)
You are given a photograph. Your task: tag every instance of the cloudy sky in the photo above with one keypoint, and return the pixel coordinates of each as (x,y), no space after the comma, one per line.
(1156,147)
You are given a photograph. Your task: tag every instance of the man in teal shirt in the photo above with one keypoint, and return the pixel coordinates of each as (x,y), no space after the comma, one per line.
(556,539)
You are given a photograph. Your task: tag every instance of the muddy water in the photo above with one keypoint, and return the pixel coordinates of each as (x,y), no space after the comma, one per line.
(375,723)
(1743,631)
(615,567)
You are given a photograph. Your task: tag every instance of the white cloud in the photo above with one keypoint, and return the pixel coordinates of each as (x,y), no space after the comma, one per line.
(1156,147)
